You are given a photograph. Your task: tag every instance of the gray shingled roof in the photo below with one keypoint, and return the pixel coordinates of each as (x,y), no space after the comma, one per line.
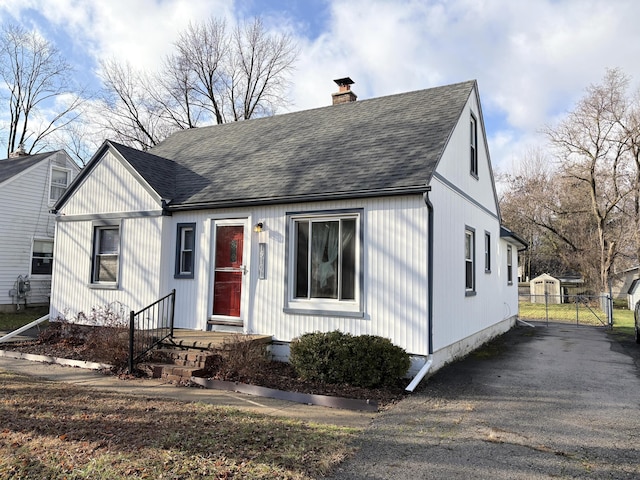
(10,167)
(159,172)
(383,145)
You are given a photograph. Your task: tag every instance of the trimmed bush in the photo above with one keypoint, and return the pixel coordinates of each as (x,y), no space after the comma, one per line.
(335,357)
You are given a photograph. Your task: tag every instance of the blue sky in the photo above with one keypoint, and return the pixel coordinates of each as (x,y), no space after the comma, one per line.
(533,60)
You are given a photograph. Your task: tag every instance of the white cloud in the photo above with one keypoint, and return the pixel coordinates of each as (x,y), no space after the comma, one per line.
(532,60)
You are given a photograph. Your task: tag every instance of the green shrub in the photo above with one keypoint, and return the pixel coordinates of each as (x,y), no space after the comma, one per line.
(336,357)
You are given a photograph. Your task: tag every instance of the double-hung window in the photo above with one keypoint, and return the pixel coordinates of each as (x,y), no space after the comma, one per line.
(106,255)
(487,252)
(42,257)
(325,263)
(509,265)
(474,146)
(469,260)
(185,250)
(60,178)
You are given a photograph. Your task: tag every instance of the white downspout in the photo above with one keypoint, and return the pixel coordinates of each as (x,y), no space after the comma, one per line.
(427,364)
(423,371)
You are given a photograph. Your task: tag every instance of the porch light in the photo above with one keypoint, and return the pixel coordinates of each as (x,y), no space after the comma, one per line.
(263,236)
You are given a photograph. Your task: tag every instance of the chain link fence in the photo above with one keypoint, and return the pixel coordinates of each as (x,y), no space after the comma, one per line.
(590,310)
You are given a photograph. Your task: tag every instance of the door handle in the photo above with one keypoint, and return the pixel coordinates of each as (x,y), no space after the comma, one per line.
(244,269)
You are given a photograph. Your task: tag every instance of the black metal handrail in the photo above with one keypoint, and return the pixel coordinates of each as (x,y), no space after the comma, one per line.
(150,326)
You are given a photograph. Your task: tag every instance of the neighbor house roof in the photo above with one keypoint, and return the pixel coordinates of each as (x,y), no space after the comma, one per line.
(380,146)
(10,167)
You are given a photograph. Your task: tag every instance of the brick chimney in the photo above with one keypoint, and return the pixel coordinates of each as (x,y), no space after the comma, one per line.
(344,94)
(20,152)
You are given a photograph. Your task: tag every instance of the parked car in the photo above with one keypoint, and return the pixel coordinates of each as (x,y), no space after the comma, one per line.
(636,321)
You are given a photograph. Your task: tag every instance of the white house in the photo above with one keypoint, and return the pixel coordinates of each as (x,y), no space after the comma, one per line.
(29,187)
(370,217)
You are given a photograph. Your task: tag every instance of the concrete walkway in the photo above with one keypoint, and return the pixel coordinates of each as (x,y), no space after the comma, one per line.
(161,389)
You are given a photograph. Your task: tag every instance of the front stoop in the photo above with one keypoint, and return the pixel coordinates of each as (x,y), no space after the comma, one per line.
(179,365)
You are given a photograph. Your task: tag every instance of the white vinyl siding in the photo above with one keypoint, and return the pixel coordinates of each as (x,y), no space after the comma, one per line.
(140,266)
(454,164)
(393,273)
(110,188)
(25,217)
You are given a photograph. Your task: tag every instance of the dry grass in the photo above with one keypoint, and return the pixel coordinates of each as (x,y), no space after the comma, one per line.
(13,320)
(57,431)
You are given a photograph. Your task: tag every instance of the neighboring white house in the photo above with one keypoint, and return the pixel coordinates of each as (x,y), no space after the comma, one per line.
(29,187)
(370,217)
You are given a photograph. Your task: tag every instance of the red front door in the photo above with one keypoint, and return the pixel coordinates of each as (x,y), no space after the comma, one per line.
(229,268)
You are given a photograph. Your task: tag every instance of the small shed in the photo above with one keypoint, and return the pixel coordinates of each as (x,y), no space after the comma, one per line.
(545,285)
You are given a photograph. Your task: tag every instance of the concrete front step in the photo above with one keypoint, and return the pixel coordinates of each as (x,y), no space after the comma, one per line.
(169,372)
(185,358)
(178,365)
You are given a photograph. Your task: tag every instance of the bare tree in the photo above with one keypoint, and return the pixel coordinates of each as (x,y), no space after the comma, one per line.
(594,158)
(259,62)
(201,66)
(38,84)
(535,206)
(213,76)
(131,112)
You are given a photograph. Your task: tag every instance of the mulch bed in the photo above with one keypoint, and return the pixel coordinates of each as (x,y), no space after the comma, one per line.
(277,375)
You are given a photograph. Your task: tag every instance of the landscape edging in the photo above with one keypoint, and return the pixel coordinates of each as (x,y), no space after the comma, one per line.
(59,361)
(307,398)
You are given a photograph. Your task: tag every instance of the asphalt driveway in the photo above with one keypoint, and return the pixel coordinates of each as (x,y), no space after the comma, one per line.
(547,402)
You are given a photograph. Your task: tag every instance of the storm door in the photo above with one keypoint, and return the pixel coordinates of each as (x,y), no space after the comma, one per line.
(229,272)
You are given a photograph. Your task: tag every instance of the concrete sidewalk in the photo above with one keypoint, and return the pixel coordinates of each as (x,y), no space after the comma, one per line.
(160,389)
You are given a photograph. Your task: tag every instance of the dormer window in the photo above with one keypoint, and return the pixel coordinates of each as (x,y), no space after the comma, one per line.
(474,146)
(60,178)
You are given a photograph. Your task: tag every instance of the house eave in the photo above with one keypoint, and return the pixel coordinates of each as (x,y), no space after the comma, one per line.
(315,197)
(514,238)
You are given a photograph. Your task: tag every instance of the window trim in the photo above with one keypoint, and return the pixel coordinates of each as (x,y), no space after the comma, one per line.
(33,241)
(325,306)
(487,252)
(180,229)
(51,184)
(96,227)
(509,265)
(473,141)
(470,232)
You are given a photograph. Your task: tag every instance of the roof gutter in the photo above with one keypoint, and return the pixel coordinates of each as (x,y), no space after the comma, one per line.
(427,365)
(250,202)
